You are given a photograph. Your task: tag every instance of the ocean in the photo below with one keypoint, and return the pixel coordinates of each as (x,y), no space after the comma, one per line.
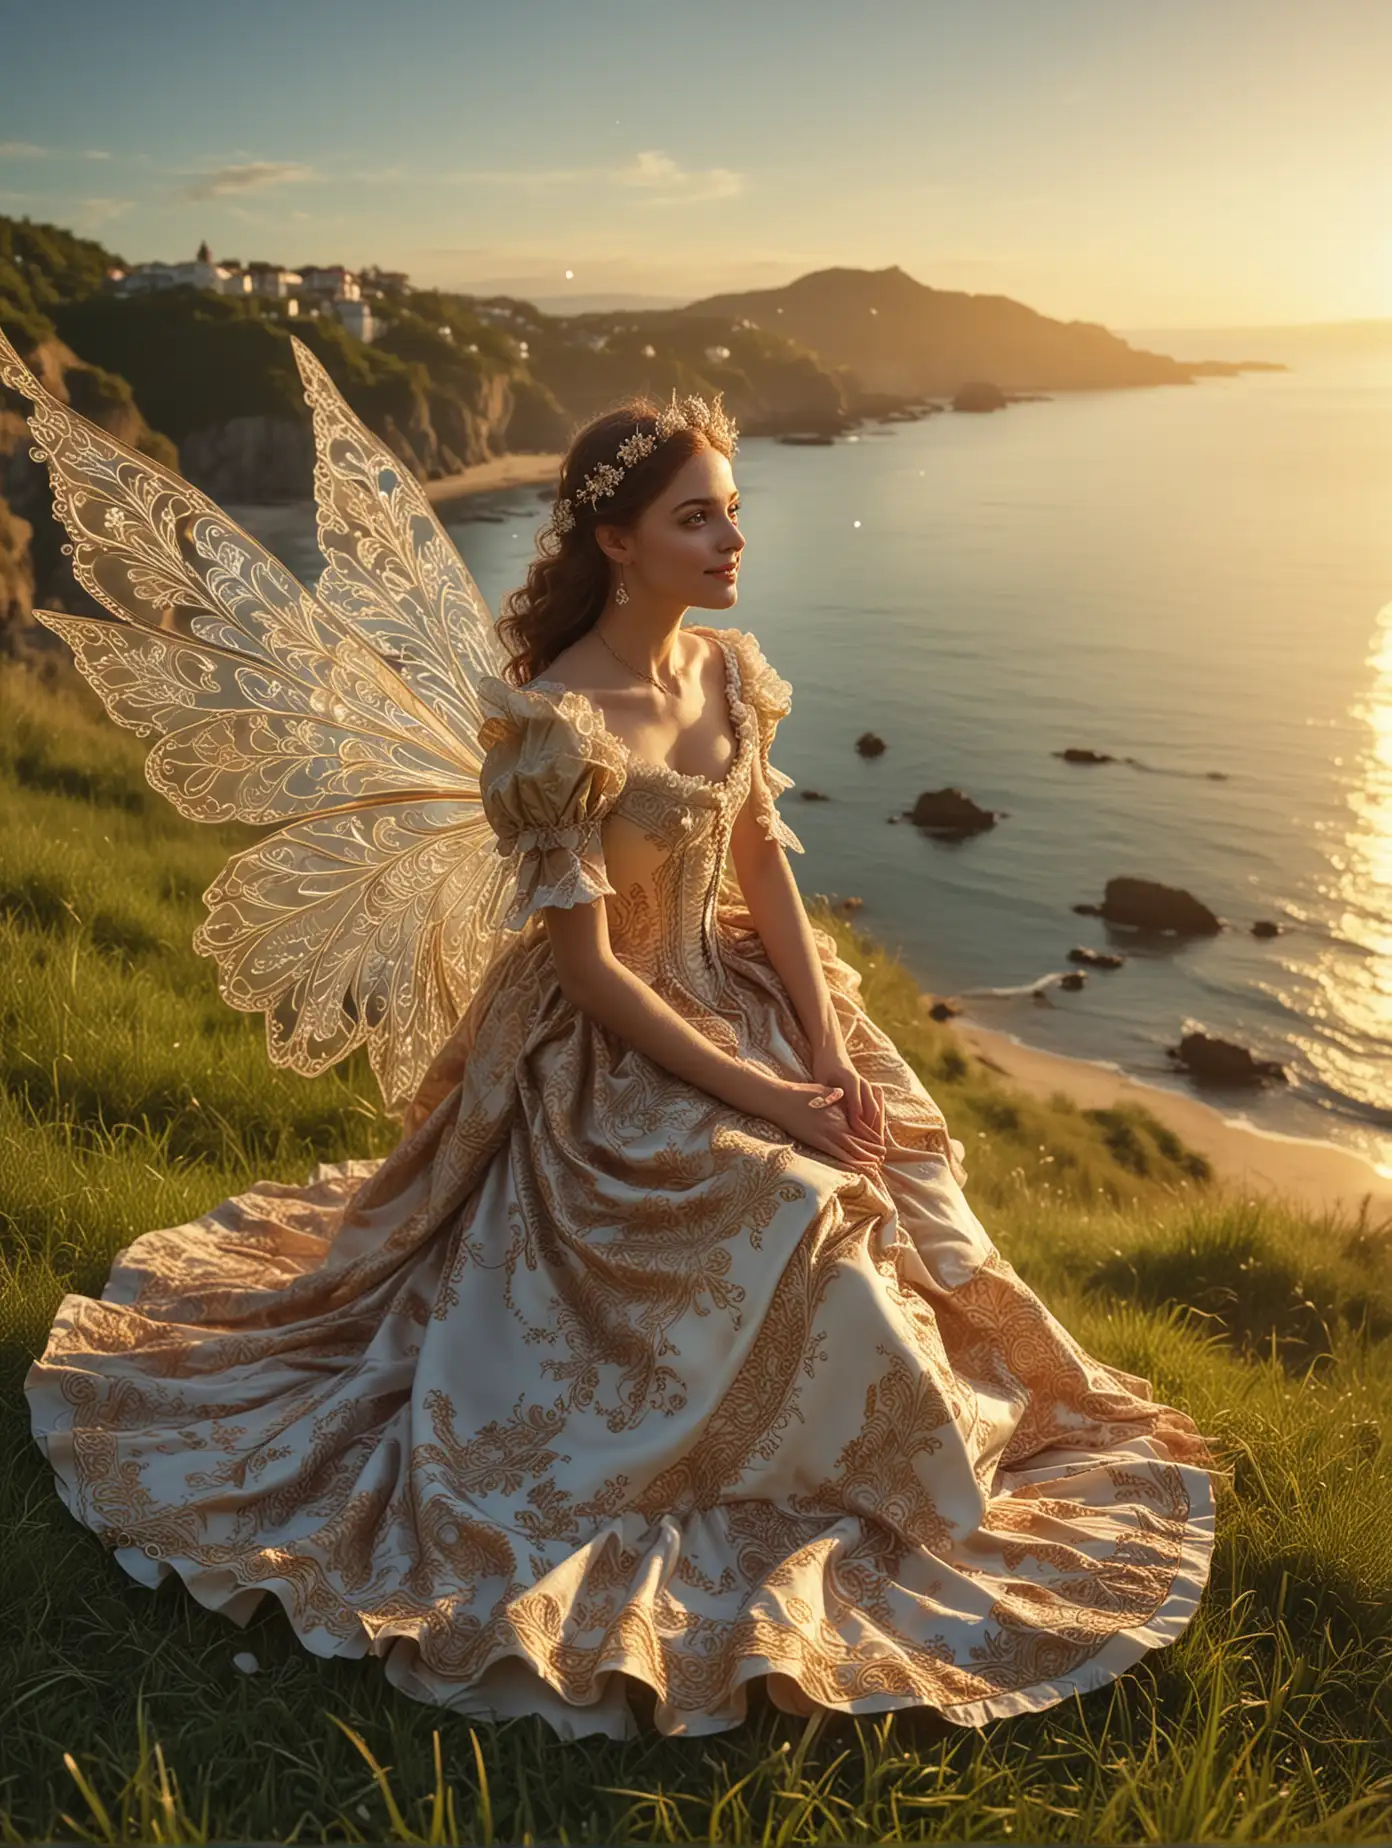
(1197,578)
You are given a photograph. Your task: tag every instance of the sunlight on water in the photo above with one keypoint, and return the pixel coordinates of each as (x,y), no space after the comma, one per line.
(1357,989)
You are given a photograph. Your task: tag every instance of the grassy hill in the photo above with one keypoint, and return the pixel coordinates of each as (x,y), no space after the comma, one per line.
(131,1097)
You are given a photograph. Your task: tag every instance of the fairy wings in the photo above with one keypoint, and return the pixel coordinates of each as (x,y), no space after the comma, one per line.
(348,713)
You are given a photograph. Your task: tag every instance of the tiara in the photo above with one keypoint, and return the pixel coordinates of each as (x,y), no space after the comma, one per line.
(691,413)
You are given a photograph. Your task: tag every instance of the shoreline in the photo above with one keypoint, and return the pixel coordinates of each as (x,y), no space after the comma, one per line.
(526,469)
(1311,1173)
(270,521)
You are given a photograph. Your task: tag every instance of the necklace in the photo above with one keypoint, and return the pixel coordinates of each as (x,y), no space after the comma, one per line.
(631,668)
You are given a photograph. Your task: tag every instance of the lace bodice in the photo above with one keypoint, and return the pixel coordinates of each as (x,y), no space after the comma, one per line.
(584,817)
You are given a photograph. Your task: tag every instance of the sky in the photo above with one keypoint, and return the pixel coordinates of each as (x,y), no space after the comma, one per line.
(1183,163)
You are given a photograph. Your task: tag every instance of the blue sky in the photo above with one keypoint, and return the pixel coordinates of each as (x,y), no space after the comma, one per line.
(1181,163)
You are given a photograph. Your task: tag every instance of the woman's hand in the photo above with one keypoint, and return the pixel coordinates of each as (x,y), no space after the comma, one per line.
(817,1116)
(862,1101)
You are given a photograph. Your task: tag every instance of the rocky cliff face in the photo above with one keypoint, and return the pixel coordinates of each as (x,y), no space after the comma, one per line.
(440,431)
(251,459)
(33,569)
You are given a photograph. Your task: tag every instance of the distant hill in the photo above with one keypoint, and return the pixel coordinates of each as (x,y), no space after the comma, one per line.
(898,335)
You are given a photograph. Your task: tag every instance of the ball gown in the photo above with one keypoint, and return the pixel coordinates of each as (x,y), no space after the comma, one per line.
(597,1380)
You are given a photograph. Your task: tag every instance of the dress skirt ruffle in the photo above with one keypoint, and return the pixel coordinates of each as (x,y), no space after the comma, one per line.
(595,1377)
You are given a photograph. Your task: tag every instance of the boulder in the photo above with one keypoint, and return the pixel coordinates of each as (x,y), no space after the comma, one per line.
(950,812)
(979,395)
(1224,1062)
(1146,904)
(938,1007)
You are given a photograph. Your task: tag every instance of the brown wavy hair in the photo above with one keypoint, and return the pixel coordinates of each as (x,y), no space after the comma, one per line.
(568,581)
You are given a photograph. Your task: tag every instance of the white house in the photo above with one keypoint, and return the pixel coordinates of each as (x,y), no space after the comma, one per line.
(270,279)
(142,277)
(333,280)
(356,316)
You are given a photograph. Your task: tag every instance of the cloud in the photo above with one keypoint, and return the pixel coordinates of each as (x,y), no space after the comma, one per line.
(102,211)
(249,176)
(656,172)
(650,172)
(28,150)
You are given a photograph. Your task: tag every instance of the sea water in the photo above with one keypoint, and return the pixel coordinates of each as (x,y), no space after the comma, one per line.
(1196,579)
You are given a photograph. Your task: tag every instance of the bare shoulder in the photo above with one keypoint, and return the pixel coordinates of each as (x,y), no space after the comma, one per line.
(584,666)
(573,669)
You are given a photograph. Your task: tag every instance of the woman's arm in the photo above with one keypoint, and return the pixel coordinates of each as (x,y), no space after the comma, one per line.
(594,979)
(776,906)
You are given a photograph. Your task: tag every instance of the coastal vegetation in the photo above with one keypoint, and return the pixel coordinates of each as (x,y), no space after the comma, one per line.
(132,1097)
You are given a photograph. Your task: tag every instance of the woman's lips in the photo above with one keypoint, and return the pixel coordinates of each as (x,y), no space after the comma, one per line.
(725,571)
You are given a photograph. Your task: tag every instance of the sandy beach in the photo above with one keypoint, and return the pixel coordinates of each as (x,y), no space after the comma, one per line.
(1308,1173)
(520,471)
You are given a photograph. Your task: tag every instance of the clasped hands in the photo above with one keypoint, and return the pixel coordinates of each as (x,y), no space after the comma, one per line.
(841,1113)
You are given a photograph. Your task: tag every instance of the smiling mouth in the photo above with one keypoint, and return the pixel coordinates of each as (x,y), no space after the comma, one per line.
(728,571)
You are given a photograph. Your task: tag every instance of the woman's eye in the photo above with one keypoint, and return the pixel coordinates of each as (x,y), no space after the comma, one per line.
(698,515)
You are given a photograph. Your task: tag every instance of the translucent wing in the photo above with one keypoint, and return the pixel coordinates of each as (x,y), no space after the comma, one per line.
(348,714)
(392,573)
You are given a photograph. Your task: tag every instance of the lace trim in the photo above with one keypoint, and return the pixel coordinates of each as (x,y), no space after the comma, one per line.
(758,697)
(581,883)
(542,838)
(776,829)
(680,782)
(518,704)
(772,698)
(584,876)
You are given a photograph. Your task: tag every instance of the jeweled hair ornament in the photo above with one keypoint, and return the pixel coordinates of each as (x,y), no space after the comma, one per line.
(689,413)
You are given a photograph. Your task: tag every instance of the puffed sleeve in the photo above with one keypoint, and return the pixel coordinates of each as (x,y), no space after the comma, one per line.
(771,698)
(550,775)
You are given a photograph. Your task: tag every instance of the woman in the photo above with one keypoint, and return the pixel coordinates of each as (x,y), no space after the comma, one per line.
(663,1358)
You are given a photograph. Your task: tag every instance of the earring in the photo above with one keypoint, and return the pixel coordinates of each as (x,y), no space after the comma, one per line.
(621,594)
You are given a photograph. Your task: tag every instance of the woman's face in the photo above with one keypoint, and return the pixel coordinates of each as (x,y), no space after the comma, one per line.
(683,547)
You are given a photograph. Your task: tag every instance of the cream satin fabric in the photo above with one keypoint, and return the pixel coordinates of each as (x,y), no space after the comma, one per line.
(596,1377)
